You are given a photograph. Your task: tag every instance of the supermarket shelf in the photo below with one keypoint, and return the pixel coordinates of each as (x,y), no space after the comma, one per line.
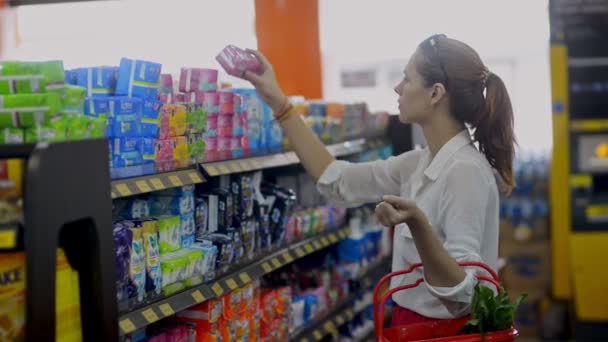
(277,160)
(166,307)
(344,311)
(161,181)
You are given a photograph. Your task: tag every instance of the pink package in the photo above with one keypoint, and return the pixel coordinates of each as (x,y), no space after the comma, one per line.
(236,61)
(226,102)
(236,143)
(237,102)
(165,149)
(195,97)
(212,124)
(210,144)
(224,125)
(224,143)
(191,79)
(166,83)
(164,127)
(211,102)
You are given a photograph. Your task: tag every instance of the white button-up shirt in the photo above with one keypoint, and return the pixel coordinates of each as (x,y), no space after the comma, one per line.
(458,193)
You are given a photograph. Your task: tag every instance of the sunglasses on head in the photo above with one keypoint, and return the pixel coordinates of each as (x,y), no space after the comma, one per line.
(433,41)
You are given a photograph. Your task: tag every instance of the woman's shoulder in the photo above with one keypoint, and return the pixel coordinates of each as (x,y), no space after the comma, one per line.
(470,163)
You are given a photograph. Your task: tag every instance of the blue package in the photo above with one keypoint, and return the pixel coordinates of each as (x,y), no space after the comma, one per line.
(125,113)
(150,120)
(126,152)
(99,81)
(148,150)
(97,107)
(253,106)
(172,205)
(71,77)
(138,78)
(188,226)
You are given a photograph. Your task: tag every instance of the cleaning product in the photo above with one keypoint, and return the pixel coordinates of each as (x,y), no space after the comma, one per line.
(137,265)
(137,78)
(152,254)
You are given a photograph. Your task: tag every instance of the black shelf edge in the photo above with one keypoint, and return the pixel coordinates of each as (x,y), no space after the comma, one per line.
(166,307)
(161,181)
(222,168)
(345,310)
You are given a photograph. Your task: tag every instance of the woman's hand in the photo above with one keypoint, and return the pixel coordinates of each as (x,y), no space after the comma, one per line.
(395,210)
(266,84)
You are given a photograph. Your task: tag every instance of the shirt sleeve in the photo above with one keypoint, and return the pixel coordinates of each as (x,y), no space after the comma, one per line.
(354,184)
(463,205)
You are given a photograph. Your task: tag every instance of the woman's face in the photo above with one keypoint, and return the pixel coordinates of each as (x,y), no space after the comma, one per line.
(414,97)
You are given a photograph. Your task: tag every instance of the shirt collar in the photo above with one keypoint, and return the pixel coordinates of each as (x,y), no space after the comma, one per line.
(459,141)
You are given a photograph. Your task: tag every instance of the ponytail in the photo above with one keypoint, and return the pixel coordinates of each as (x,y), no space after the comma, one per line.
(494,130)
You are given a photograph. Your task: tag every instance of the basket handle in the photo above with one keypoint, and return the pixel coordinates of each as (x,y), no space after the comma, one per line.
(379,303)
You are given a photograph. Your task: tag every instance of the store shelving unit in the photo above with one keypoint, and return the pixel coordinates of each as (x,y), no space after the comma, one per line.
(149,314)
(80,223)
(345,310)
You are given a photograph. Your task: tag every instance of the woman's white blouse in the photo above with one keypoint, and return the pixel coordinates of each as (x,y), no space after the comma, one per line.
(458,193)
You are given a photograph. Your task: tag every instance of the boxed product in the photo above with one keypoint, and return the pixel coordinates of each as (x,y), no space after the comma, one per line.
(126,152)
(192,79)
(99,81)
(137,78)
(237,61)
(31,77)
(126,114)
(150,120)
(28,110)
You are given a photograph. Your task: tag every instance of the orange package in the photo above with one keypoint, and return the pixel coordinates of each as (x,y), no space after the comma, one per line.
(205,319)
(229,329)
(231,304)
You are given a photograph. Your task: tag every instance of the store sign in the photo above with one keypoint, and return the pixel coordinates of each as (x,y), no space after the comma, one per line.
(359,78)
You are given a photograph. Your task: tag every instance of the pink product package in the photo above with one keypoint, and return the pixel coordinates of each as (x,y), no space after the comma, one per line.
(191,79)
(196,97)
(179,98)
(224,125)
(237,125)
(236,61)
(226,102)
(224,143)
(210,144)
(166,81)
(164,127)
(236,143)
(237,102)
(211,102)
(212,123)
(164,149)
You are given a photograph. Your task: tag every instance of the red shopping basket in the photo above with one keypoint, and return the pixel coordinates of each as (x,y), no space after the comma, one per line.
(437,331)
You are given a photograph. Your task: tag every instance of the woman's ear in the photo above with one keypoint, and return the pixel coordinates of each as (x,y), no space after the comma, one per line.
(438,93)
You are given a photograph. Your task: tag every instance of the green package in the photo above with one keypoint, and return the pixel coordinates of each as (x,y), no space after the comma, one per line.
(54,131)
(72,98)
(194,267)
(31,77)
(172,273)
(11,136)
(196,119)
(97,127)
(28,110)
(196,146)
(78,128)
(169,234)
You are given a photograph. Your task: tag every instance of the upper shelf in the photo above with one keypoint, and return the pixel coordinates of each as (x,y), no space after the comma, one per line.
(144,184)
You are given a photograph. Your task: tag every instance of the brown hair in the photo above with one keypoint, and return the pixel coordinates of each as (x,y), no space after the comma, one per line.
(460,69)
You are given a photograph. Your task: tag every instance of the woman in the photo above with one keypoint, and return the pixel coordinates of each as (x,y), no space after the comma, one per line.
(443,200)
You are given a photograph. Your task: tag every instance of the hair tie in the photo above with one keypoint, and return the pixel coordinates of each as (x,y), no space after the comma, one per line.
(484,77)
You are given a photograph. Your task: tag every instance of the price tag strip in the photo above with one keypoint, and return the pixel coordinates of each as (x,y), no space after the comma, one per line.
(161,181)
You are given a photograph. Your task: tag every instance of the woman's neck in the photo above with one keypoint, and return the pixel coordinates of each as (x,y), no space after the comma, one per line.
(439,132)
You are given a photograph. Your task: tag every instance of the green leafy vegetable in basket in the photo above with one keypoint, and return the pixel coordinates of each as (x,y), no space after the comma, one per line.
(491,313)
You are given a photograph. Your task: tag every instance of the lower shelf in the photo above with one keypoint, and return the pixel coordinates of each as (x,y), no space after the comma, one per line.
(344,311)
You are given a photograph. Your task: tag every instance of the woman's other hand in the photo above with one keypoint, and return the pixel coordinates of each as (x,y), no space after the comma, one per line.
(266,84)
(395,210)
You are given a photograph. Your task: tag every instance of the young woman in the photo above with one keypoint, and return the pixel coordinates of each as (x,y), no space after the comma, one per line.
(443,200)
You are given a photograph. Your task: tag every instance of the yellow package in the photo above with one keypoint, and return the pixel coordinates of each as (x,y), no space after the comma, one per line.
(178,121)
(11,190)
(12,299)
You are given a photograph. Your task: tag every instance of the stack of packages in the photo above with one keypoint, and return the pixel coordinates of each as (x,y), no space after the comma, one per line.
(155,249)
(187,117)
(36,105)
(524,240)
(126,98)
